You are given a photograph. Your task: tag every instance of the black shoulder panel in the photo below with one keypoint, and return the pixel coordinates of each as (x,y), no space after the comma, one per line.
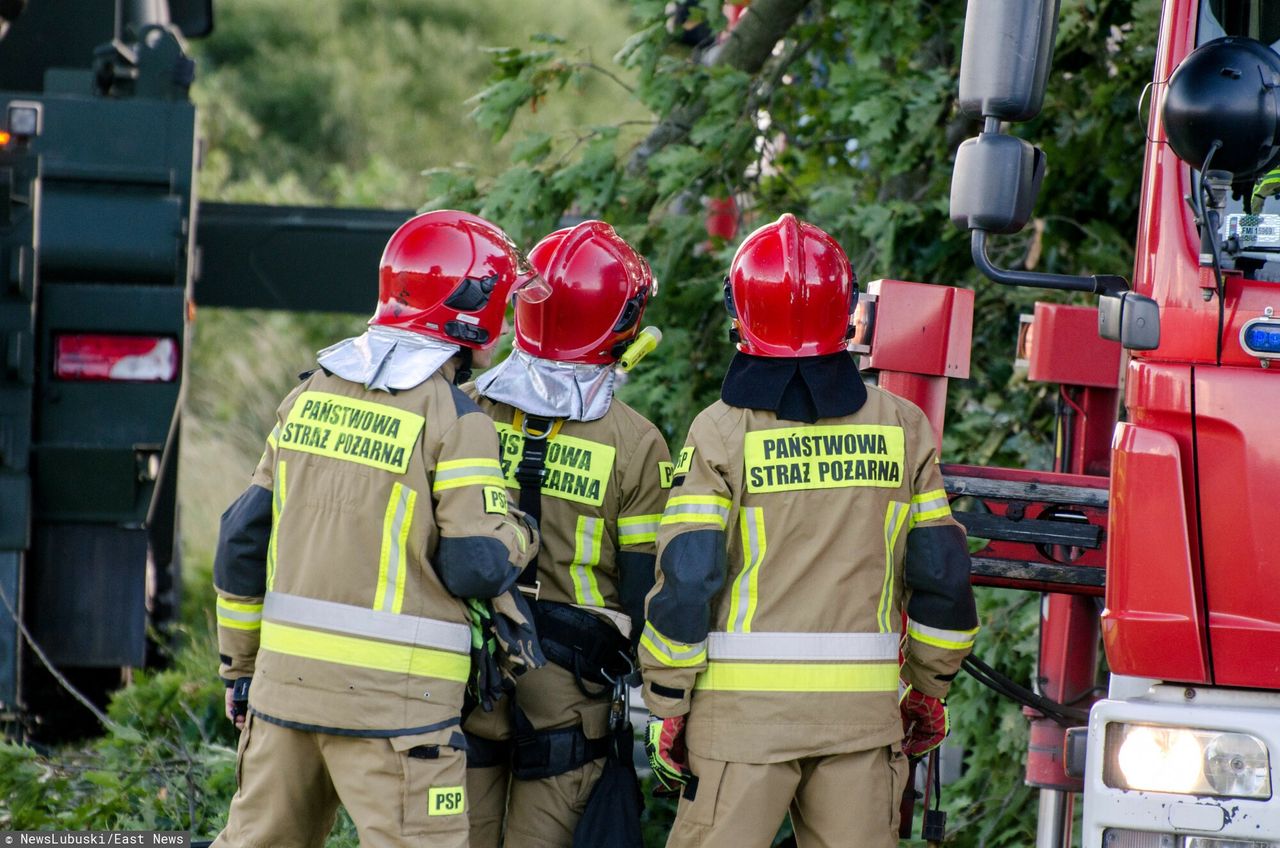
(937,573)
(693,571)
(240,561)
(463,405)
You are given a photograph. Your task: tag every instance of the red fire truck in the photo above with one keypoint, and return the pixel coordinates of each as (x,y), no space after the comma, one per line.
(1167,494)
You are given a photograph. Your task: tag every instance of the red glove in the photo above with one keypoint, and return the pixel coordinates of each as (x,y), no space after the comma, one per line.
(925,722)
(664,743)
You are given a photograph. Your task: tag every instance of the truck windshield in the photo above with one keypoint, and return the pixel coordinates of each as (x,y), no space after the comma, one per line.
(1251,230)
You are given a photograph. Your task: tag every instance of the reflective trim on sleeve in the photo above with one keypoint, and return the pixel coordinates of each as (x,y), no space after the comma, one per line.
(669,652)
(477,471)
(277,509)
(361,622)
(697,509)
(799,647)
(238,616)
(744,597)
(798,677)
(389,595)
(364,653)
(929,506)
(586,556)
(638,529)
(953,640)
(894,519)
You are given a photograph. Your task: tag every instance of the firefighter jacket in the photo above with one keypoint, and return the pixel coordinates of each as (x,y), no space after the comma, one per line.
(602,497)
(340,569)
(787,552)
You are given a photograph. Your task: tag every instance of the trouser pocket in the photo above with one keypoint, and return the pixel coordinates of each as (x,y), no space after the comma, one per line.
(898,771)
(434,792)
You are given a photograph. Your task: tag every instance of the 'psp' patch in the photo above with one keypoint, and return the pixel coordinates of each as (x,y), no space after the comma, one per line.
(445,801)
(495,500)
(666,473)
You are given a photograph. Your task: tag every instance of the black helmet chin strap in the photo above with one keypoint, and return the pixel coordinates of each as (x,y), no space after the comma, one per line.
(463,374)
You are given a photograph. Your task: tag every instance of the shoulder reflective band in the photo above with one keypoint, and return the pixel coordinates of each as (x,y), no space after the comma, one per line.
(697,509)
(929,506)
(895,517)
(577,469)
(395,538)
(799,647)
(277,509)
(238,616)
(352,430)
(742,603)
(835,456)
(638,529)
(472,471)
(950,640)
(685,461)
(669,652)
(666,473)
(586,556)
(798,677)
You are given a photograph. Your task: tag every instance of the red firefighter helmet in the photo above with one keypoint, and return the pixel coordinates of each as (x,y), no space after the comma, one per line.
(790,291)
(599,288)
(450,275)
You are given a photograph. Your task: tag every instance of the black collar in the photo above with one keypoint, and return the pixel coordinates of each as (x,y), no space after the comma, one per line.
(795,389)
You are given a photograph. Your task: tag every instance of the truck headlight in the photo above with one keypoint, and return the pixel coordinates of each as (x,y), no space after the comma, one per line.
(1185,761)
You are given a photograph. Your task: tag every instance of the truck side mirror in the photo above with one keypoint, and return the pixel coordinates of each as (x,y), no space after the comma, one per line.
(1131,319)
(1008,47)
(995,183)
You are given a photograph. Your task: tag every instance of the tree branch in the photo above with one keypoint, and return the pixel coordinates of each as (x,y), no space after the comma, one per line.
(748,46)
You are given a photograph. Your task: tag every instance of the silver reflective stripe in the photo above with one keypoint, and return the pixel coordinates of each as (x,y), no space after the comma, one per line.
(395,550)
(671,652)
(929,506)
(236,615)
(802,646)
(698,509)
(586,556)
(469,471)
(372,624)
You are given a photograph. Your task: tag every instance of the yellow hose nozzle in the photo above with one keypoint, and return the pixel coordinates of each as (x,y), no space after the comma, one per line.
(646,343)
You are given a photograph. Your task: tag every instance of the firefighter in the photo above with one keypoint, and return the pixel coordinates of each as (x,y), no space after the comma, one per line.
(377,506)
(807,512)
(592,470)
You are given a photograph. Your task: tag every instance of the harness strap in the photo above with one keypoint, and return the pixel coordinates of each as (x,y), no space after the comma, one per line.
(529,474)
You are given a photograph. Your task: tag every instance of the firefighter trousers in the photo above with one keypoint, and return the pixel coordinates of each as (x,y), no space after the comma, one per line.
(537,813)
(399,792)
(835,801)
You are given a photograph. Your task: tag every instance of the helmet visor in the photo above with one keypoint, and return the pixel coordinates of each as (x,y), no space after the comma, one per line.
(530,285)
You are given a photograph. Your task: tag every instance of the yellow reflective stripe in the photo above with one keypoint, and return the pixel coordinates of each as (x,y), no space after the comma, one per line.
(586,556)
(798,677)
(671,653)
(392,565)
(893,521)
(364,653)
(697,509)
(742,603)
(637,529)
(951,640)
(273,438)
(237,615)
(473,471)
(277,509)
(929,506)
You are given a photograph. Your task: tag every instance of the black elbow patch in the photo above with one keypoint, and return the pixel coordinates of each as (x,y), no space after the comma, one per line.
(240,561)
(635,578)
(692,574)
(474,566)
(937,573)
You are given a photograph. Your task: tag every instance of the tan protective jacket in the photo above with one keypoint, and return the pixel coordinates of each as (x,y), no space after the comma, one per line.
(381,510)
(787,554)
(602,499)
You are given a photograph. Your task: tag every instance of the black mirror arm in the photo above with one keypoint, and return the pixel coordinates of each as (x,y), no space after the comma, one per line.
(1096,284)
